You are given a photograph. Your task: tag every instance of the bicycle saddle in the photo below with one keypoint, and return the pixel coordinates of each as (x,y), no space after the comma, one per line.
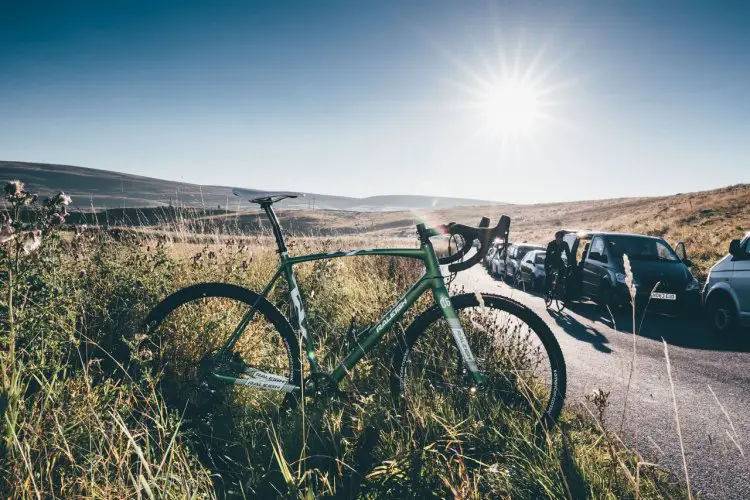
(256,196)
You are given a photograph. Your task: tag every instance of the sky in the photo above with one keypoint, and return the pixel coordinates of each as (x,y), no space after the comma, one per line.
(515,101)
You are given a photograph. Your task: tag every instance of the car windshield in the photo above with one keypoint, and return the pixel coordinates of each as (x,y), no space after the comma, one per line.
(641,248)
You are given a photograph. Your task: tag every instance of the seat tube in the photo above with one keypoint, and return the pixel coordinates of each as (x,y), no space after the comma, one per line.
(294,294)
(280,243)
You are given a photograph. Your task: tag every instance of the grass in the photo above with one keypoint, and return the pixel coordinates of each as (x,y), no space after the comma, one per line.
(706,221)
(77,422)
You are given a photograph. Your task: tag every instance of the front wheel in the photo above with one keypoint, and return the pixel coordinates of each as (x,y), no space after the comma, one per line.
(521,361)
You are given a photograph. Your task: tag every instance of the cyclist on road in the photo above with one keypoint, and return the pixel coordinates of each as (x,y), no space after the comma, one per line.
(553,260)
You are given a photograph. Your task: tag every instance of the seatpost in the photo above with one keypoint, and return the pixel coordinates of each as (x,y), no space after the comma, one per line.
(268,208)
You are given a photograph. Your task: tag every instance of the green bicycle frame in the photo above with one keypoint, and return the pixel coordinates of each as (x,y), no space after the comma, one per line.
(432,280)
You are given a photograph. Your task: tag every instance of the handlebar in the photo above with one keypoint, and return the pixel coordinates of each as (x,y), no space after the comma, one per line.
(482,233)
(485,222)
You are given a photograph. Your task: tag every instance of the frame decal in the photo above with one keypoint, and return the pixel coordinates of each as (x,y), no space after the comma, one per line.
(297,301)
(463,345)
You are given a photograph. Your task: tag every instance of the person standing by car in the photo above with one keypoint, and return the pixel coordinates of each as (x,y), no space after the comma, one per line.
(553,259)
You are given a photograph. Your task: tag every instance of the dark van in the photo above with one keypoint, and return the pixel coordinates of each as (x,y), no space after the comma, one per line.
(662,278)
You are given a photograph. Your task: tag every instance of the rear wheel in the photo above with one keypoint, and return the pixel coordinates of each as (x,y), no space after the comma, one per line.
(721,314)
(515,350)
(183,333)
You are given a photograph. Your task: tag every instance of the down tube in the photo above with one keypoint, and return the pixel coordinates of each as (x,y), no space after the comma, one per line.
(382,326)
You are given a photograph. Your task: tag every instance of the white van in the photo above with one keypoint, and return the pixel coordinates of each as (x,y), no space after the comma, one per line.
(726,295)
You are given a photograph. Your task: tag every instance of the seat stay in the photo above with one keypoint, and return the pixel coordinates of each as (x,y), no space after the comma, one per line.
(248,317)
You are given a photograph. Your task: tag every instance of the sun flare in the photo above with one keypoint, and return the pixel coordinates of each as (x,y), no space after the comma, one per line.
(509,107)
(512,97)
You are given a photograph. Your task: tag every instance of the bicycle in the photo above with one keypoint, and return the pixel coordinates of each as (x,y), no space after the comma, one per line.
(557,291)
(451,354)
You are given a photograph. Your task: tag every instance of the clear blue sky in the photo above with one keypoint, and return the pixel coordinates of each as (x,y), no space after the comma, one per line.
(380,97)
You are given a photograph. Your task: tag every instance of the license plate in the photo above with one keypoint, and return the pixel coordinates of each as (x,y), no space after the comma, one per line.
(663,296)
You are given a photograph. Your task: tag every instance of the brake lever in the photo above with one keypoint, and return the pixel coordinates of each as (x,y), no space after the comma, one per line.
(483,223)
(501,230)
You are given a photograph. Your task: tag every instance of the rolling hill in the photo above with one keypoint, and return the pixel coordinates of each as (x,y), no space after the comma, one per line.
(103,189)
(706,221)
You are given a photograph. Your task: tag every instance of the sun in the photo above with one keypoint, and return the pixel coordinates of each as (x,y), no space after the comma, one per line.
(509,107)
(513,97)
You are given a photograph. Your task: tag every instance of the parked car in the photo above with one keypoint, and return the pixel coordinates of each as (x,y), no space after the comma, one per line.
(726,296)
(515,254)
(532,269)
(497,265)
(487,259)
(661,277)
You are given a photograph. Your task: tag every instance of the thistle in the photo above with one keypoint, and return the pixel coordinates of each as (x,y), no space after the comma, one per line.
(32,240)
(6,233)
(14,188)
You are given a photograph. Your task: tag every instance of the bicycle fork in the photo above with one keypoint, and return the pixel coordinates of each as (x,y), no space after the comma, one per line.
(440,292)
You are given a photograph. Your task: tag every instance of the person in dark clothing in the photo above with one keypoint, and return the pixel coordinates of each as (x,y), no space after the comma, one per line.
(553,260)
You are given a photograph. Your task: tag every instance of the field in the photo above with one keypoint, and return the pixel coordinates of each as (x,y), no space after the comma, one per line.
(80,420)
(706,221)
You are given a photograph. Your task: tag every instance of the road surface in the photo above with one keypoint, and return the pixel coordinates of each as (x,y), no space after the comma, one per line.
(711,379)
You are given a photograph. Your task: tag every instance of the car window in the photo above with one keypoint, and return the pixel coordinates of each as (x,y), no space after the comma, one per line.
(641,248)
(522,251)
(597,246)
(663,251)
(582,248)
(539,259)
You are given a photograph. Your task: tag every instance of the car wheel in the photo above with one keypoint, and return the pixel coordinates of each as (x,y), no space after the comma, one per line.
(721,314)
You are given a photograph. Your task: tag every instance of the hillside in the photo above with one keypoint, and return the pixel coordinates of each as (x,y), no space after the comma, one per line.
(706,221)
(103,189)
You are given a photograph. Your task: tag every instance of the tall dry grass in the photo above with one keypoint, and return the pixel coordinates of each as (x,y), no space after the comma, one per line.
(76,424)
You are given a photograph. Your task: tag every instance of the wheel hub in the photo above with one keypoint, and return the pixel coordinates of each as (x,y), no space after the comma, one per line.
(721,318)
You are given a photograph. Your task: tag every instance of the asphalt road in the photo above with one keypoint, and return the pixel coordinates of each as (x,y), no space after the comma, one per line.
(708,374)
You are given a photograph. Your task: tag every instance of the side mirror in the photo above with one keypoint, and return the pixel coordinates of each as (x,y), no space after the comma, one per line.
(679,249)
(734,248)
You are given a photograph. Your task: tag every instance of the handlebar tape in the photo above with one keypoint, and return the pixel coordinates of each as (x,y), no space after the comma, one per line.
(485,222)
(484,235)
